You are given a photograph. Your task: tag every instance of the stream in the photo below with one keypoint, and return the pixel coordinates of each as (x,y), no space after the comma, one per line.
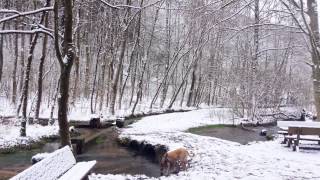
(236,134)
(111,158)
(13,163)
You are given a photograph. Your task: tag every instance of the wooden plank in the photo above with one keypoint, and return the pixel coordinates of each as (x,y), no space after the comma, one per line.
(310,131)
(304,130)
(79,171)
(88,139)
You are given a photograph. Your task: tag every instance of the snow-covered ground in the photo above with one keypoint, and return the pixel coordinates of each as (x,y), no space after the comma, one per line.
(216,158)
(10,135)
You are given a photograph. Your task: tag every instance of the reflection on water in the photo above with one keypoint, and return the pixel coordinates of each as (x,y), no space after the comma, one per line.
(236,134)
(115,159)
(13,163)
(111,158)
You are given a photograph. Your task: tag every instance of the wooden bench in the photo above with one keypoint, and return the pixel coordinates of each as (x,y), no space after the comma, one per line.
(296,134)
(60,164)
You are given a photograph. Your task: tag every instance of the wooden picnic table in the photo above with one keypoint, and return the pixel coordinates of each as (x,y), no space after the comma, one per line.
(297,131)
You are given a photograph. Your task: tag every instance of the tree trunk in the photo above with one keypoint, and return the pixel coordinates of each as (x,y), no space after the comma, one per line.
(77,61)
(22,54)
(53,103)
(40,72)
(103,69)
(198,91)
(254,64)
(133,81)
(174,97)
(183,92)
(26,86)
(1,52)
(14,73)
(65,60)
(120,89)
(315,45)
(87,71)
(193,81)
(114,88)
(63,105)
(131,63)
(168,53)
(94,82)
(145,60)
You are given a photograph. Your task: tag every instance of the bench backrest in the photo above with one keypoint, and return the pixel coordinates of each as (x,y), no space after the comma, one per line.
(51,167)
(304,130)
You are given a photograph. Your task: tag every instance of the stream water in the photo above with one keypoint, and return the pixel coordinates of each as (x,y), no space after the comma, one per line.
(13,163)
(115,159)
(236,134)
(111,158)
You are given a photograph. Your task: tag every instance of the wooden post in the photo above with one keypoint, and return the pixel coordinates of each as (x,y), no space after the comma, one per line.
(296,142)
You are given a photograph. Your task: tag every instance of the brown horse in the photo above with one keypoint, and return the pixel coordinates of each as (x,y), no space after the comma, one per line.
(174,161)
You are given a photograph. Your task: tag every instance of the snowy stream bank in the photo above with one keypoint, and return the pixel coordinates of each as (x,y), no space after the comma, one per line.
(10,136)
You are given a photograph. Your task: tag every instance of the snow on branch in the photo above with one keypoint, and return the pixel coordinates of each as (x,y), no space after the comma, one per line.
(26,32)
(9,11)
(19,14)
(120,6)
(278,49)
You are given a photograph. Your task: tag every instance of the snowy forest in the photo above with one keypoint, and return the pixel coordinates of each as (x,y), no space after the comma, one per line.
(64,60)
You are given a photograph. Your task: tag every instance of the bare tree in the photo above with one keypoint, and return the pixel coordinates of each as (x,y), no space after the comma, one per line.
(65,59)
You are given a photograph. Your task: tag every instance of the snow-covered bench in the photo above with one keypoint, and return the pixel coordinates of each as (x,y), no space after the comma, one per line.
(60,164)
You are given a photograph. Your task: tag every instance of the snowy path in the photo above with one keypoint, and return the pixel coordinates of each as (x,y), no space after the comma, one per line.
(219,159)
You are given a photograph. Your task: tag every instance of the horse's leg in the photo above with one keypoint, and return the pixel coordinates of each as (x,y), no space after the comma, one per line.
(168,169)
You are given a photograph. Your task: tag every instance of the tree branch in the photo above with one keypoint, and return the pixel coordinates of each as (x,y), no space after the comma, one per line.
(19,14)
(26,32)
(121,6)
